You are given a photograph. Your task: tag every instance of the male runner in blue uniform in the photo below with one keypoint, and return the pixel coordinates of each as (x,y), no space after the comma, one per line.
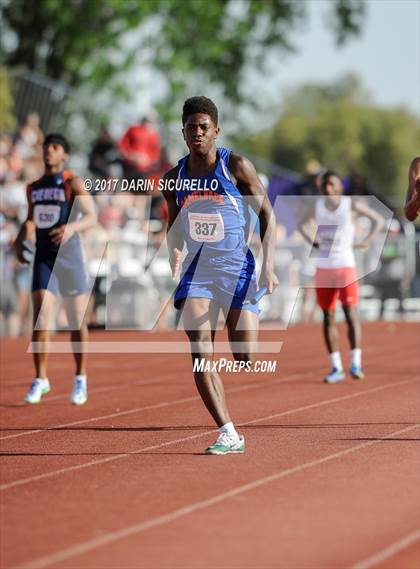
(219,269)
(58,264)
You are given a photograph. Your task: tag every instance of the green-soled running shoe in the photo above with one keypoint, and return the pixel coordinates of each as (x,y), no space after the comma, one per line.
(335,376)
(356,372)
(38,388)
(226,444)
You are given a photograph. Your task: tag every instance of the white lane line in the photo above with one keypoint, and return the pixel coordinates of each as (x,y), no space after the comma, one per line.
(156,347)
(329,401)
(255,385)
(23,481)
(389,551)
(101,389)
(111,537)
(95,370)
(139,409)
(106,388)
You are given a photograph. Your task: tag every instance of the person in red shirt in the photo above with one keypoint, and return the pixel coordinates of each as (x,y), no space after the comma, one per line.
(140,149)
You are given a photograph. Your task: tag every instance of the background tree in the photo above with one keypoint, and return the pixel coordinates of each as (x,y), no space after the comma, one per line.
(7,121)
(84,42)
(341,127)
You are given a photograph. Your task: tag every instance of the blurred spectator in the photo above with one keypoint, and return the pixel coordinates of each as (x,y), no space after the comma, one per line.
(13,201)
(20,164)
(111,219)
(6,145)
(129,233)
(16,161)
(103,155)
(140,148)
(11,160)
(30,137)
(9,308)
(312,181)
(13,208)
(357,185)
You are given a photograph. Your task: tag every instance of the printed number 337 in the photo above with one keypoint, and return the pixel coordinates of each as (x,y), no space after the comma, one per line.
(204,228)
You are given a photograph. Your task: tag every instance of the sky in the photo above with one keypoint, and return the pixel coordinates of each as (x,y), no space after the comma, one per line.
(386,55)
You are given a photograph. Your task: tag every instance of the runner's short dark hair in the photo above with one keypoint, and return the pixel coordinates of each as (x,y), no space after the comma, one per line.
(57,138)
(200,104)
(326,175)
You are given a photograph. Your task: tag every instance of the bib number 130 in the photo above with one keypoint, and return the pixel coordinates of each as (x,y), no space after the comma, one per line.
(46,216)
(206,227)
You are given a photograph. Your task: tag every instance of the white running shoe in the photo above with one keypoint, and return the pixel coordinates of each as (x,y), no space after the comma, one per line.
(39,387)
(226,444)
(335,376)
(79,394)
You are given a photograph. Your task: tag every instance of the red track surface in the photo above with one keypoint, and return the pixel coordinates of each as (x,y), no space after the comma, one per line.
(330,477)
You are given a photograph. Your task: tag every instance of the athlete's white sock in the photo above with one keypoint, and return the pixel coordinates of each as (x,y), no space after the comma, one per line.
(356,357)
(229,429)
(80,378)
(336,361)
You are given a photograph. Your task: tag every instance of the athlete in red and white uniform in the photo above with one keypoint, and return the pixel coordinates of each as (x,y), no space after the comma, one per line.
(336,275)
